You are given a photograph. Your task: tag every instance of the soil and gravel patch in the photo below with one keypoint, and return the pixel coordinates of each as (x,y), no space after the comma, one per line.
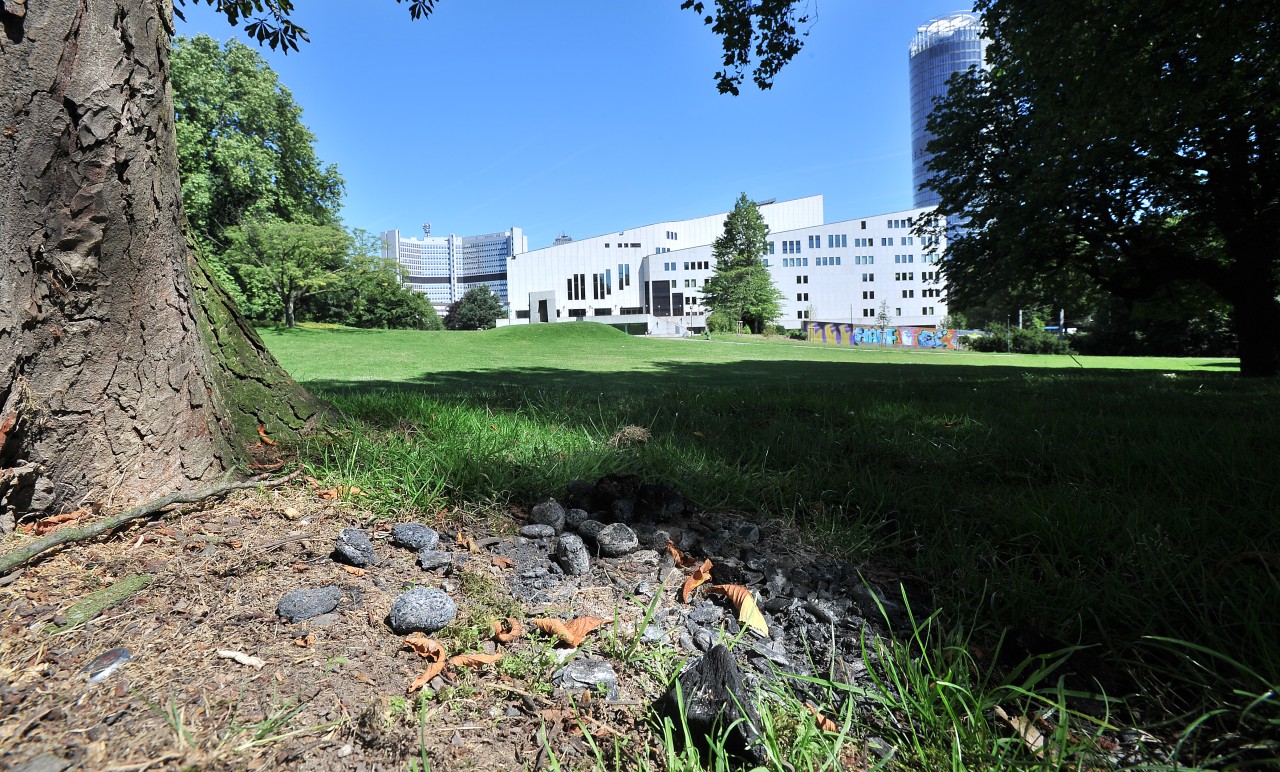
(218,676)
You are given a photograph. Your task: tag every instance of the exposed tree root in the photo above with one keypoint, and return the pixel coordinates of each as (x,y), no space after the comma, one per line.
(27,552)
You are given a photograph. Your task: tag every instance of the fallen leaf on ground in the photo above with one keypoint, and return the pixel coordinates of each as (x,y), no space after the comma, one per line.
(572,632)
(431,649)
(305,640)
(682,560)
(433,670)
(474,660)
(824,723)
(699,577)
(353,570)
(504,563)
(748,613)
(262,434)
(300,567)
(1026,730)
(242,658)
(427,647)
(513,630)
(53,523)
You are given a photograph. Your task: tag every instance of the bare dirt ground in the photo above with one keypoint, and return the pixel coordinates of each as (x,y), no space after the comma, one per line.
(331,693)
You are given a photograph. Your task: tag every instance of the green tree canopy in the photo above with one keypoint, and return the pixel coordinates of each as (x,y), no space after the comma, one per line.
(478,309)
(275,264)
(243,152)
(1125,146)
(372,293)
(740,287)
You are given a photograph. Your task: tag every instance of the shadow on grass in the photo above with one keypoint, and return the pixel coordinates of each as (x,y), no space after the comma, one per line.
(752,376)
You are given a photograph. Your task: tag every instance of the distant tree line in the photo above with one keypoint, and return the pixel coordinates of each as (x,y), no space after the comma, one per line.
(263,206)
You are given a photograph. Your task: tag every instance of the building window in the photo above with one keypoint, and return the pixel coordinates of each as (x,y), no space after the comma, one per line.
(868,312)
(864,225)
(897,312)
(802,296)
(770,248)
(868,294)
(908,293)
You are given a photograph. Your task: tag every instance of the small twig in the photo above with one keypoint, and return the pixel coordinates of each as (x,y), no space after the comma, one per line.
(29,551)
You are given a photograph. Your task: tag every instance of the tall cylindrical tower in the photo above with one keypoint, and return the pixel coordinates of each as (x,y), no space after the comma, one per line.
(942,46)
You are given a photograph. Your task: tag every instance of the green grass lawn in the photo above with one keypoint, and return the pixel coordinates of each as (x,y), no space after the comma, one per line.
(1125,505)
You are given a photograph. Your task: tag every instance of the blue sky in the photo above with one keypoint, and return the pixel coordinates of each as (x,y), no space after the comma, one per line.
(590,116)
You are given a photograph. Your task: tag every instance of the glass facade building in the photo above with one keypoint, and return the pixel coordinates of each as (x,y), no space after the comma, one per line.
(942,46)
(445,267)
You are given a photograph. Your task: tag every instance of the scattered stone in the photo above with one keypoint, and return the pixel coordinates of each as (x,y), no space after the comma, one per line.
(549,513)
(612,487)
(616,540)
(537,532)
(713,696)
(577,494)
(422,609)
(572,555)
(717,543)
(326,620)
(590,529)
(304,604)
(574,518)
(588,674)
(622,511)
(430,559)
(106,663)
(415,536)
(355,548)
(658,503)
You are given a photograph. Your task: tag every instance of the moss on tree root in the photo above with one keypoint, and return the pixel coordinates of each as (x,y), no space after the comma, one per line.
(252,389)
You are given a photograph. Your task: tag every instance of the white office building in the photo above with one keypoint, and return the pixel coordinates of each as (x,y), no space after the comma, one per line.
(651,277)
(445,267)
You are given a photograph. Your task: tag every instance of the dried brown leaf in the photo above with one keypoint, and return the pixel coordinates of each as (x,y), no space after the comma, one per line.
(262,434)
(474,660)
(1026,729)
(305,640)
(433,670)
(426,647)
(353,570)
(700,576)
(824,723)
(748,612)
(504,563)
(506,631)
(570,633)
(682,560)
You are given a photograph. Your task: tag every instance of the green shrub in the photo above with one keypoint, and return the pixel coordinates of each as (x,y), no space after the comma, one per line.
(719,322)
(1024,340)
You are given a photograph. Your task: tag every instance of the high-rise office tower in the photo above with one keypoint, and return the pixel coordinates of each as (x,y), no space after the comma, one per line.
(942,46)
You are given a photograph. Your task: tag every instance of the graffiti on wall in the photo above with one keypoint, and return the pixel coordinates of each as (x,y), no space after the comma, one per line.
(838,333)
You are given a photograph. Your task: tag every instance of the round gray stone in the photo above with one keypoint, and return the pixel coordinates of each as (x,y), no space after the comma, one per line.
(549,513)
(537,532)
(572,555)
(355,548)
(415,536)
(590,528)
(622,511)
(574,517)
(305,604)
(430,559)
(588,674)
(616,540)
(422,609)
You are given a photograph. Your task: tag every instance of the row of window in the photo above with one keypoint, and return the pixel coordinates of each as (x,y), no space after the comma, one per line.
(870,313)
(903,241)
(795,262)
(815,242)
(673,236)
(827,260)
(690,282)
(931,293)
(905,276)
(802,296)
(904,258)
(790,247)
(697,265)
(907,223)
(864,259)
(624,245)
(836,241)
(661,250)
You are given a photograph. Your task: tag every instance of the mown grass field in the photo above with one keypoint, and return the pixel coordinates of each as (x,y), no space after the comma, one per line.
(1127,507)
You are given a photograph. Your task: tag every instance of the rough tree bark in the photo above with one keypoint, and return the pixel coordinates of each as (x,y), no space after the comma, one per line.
(124,372)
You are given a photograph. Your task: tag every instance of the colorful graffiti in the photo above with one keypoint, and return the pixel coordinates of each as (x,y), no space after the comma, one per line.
(837,333)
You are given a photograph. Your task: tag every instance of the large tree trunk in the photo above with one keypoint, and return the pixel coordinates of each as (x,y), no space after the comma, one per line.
(116,383)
